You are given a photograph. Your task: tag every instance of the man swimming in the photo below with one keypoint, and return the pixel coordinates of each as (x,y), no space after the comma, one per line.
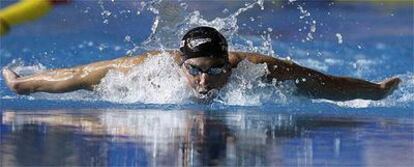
(206,64)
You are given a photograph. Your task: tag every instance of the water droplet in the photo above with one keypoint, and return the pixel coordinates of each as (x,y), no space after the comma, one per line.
(225,10)
(127,38)
(106,13)
(339,36)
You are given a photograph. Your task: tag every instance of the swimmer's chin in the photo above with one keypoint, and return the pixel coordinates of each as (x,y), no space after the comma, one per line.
(205,97)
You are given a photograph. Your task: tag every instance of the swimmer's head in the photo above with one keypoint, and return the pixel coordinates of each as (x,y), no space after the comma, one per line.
(203,42)
(205,61)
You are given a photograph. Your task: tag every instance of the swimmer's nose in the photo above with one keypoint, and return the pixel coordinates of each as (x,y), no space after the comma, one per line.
(204,80)
(204,84)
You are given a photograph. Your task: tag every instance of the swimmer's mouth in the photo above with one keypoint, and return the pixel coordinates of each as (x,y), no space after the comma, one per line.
(206,94)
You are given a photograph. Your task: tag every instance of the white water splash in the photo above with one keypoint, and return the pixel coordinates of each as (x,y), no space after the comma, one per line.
(18,66)
(157,80)
(310,23)
(176,20)
(246,87)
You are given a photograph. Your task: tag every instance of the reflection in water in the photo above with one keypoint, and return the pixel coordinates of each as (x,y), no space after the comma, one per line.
(187,138)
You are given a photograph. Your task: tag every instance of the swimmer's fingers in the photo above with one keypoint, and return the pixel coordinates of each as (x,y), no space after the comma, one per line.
(11,78)
(388,86)
(9,74)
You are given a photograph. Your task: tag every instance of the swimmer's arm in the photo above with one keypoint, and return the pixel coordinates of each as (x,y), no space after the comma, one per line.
(69,79)
(318,85)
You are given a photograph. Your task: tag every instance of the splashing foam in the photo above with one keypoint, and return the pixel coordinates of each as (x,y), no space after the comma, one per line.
(157,80)
(169,25)
(246,87)
(18,66)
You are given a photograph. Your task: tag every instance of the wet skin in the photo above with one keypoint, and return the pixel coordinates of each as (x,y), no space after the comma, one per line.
(205,74)
(315,85)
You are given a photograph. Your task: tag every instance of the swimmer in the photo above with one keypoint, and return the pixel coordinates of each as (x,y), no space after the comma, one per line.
(206,64)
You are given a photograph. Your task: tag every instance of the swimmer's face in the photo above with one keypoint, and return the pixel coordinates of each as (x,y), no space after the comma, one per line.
(206,75)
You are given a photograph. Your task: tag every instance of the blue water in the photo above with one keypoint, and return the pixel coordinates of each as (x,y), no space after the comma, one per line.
(364,40)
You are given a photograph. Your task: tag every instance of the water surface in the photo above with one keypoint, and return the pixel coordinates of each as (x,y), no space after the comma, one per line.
(244,137)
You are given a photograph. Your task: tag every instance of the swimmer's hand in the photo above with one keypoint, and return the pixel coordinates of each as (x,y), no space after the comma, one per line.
(388,86)
(11,79)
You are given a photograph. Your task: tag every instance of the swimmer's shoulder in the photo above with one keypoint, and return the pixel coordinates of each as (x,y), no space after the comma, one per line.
(138,59)
(237,57)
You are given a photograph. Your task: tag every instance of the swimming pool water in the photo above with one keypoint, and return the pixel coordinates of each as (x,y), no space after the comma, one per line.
(245,137)
(364,40)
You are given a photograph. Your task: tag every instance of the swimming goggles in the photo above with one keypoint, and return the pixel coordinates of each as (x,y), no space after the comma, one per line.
(194,71)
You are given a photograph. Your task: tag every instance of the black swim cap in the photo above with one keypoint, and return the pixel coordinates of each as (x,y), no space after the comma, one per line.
(203,42)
